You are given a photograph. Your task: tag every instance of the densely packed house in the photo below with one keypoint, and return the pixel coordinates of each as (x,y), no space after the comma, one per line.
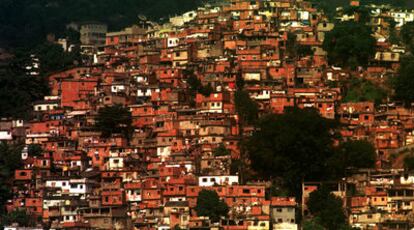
(151,180)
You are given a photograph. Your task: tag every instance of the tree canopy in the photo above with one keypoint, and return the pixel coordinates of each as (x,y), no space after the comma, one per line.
(246,108)
(53,58)
(18,91)
(404,83)
(27,22)
(409,163)
(329,6)
(114,120)
(18,216)
(359,90)
(327,208)
(196,86)
(407,35)
(34,150)
(312,224)
(10,160)
(294,146)
(349,44)
(396,3)
(358,154)
(221,150)
(209,204)
(25,89)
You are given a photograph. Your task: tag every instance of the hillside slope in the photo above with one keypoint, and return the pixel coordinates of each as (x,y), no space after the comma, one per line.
(27,22)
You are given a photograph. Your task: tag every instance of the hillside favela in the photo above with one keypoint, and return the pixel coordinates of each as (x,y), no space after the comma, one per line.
(213,114)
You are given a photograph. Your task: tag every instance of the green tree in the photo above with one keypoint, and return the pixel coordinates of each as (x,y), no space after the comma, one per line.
(294,146)
(53,58)
(177,227)
(357,154)
(409,163)
(196,86)
(312,224)
(303,51)
(407,35)
(209,204)
(34,150)
(359,90)
(393,37)
(329,6)
(114,119)
(18,91)
(327,208)
(17,216)
(27,22)
(295,49)
(240,82)
(349,44)
(361,13)
(396,3)
(221,150)
(10,160)
(246,108)
(404,83)
(24,89)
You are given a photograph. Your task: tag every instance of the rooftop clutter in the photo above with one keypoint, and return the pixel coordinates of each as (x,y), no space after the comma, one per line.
(157,120)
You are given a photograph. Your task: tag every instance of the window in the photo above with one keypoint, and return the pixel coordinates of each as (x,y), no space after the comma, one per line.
(204,179)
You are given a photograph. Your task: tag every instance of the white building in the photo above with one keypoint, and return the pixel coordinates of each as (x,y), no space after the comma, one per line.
(6,135)
(208,181)
(401,17)
(182,19)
